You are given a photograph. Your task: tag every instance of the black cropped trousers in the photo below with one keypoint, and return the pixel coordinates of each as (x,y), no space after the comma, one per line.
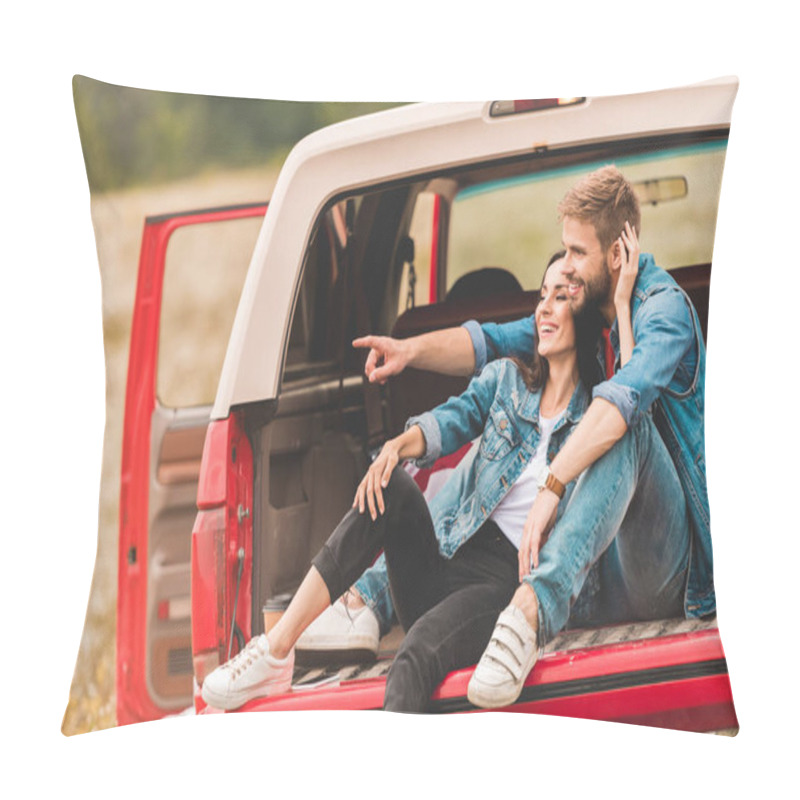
(447,606)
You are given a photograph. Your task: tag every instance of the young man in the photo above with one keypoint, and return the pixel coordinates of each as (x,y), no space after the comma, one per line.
(640,507)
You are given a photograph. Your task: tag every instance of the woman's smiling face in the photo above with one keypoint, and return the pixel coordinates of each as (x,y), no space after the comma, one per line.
(555,326)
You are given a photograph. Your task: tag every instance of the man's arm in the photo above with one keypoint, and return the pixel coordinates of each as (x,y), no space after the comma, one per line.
(448,351)
(664,334)
(600,429)
(460,351)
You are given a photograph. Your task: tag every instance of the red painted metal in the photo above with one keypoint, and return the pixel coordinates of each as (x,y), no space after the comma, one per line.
(133,699)
(695,704)
(701,703)
(212,483)
(225,487)
(663,651)
(596,662)
(209,581)
(433,283)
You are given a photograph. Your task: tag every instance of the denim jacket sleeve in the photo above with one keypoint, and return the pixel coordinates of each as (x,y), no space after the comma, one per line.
(663,333)
(458,420)
(491,340)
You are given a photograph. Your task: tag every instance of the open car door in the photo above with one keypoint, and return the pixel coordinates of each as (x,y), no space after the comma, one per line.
(191,270)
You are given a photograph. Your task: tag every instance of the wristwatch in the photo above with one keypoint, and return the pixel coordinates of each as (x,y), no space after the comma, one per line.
(549,481)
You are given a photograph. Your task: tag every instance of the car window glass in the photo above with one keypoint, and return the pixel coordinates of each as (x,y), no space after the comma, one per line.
(513,223)
(421,234)
(315,337)
(203,277)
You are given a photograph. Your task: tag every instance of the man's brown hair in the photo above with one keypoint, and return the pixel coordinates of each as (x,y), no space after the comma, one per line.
(605,199)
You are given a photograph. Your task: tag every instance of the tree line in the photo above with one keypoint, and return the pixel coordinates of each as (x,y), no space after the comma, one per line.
(133,136)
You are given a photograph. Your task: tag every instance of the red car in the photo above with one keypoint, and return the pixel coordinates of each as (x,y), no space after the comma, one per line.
(372,227)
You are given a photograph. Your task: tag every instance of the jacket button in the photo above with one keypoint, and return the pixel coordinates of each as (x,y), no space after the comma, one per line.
(503,424)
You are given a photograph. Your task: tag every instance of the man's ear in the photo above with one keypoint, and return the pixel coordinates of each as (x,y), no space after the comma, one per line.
(614,257)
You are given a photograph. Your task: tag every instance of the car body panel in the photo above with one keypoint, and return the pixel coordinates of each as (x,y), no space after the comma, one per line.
(161,454)
(675,681)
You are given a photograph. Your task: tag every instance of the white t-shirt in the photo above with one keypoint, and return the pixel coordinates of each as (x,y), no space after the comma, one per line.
(512,511)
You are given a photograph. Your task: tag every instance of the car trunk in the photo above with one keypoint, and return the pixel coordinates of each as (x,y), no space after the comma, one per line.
(281,460)
(310,457)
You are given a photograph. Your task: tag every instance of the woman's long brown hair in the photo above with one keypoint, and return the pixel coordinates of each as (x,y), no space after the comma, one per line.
(589,323)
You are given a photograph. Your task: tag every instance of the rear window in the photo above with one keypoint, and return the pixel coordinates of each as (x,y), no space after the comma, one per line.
(513,223)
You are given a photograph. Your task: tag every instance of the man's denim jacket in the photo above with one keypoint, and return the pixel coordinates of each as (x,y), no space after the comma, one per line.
(665,377)
(498,407)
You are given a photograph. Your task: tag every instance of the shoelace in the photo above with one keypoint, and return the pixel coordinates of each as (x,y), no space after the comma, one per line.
(243,659)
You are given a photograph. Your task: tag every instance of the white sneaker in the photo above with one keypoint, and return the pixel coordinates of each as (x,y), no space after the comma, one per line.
(341,632)
(506,662)
(251,673)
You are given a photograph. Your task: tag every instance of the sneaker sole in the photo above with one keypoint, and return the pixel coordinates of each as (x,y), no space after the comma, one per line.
(492,697)
(318,656)
(478,698)
(230,702)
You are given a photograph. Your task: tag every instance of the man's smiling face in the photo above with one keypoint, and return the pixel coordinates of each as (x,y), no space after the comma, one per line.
(585,264)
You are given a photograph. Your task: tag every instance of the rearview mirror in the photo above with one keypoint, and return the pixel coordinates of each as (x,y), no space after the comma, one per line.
(659,190)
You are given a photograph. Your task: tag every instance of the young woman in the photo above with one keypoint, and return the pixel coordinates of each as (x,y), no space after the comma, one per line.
(453,566)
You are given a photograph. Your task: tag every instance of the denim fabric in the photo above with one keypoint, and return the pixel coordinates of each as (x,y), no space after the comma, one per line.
(499,407)
(628,515)
(665,375)
(373,586)
(448,607)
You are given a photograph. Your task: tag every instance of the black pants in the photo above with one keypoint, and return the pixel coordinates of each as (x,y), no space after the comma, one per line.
(447,607)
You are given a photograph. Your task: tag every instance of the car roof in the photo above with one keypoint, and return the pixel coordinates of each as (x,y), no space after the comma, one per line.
(400,143)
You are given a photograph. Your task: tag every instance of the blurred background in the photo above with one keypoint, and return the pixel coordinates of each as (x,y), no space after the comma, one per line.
(149,153)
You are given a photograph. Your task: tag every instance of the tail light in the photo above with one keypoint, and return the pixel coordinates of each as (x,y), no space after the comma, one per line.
(222,546)
(504,108)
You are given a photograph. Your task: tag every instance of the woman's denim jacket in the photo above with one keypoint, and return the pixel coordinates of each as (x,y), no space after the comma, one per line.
(498,407)
(666,377)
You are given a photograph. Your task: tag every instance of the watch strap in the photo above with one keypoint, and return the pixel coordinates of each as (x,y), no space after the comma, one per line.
(554,485)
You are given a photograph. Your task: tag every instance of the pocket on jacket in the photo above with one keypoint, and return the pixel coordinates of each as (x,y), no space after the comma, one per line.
(499,435)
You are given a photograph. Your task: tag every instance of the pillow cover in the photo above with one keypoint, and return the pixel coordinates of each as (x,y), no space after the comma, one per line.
(238,421)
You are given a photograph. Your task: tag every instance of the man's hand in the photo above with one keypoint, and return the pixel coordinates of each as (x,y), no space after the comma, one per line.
(448,351)
(540,521)
(386,357)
